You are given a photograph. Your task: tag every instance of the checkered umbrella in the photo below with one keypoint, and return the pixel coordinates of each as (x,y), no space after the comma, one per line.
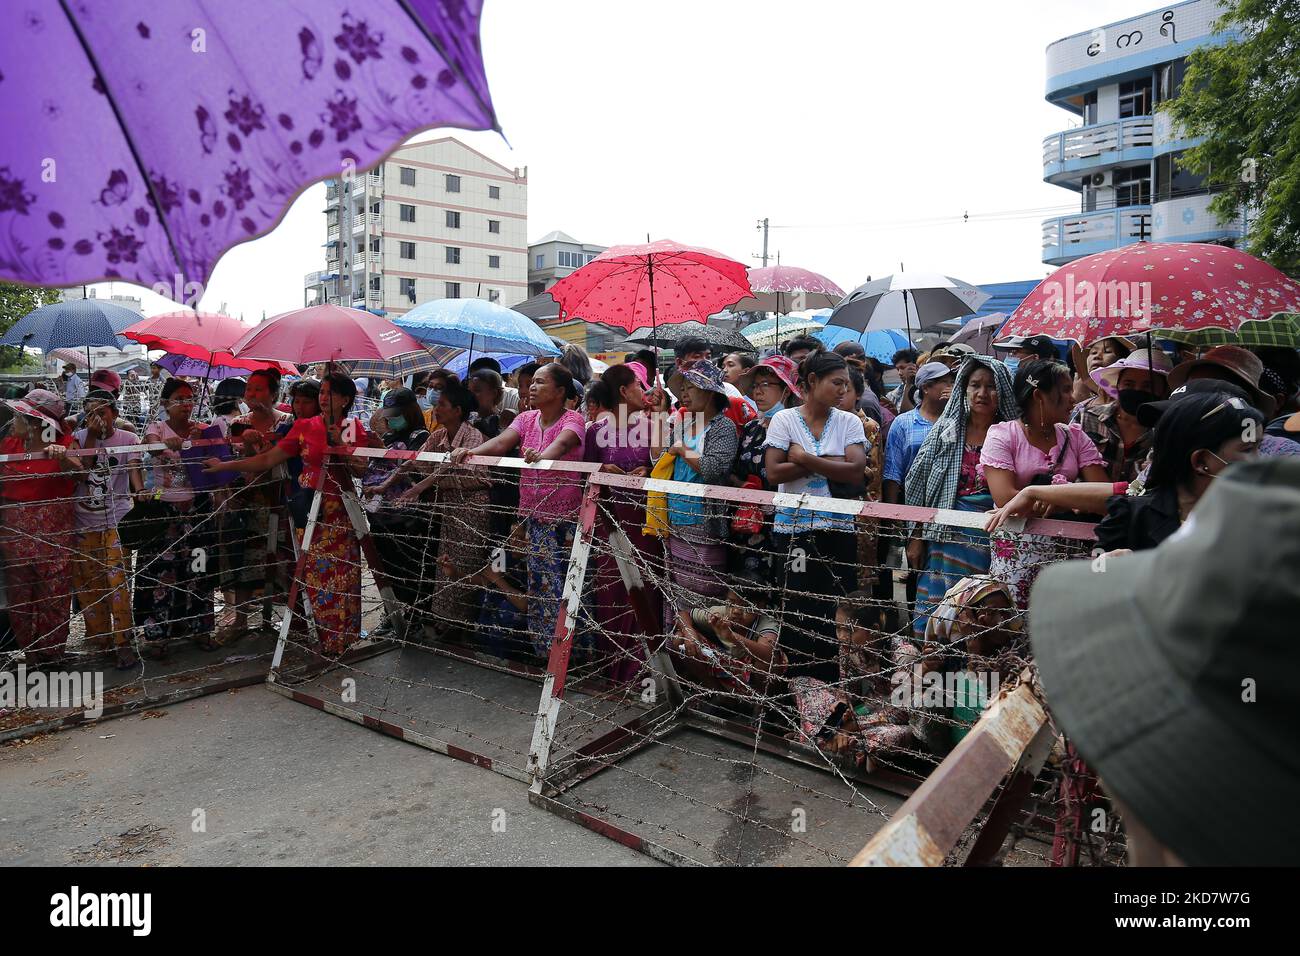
(1282,329)
(400,366)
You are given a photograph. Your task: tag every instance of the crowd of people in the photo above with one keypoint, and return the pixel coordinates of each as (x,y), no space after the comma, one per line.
(754,601)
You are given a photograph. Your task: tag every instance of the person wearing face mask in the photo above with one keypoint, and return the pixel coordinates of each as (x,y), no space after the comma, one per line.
(770,385)
(1197,432)
(1035,448)
(1130,383)
(1098,355)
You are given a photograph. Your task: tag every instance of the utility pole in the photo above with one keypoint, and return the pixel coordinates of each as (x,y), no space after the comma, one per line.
(762,224)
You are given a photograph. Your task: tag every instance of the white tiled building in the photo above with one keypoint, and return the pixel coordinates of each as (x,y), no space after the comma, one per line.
(435,220)
(1121,160)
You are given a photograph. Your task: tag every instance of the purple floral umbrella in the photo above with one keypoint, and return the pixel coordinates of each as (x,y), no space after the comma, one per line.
(145,139)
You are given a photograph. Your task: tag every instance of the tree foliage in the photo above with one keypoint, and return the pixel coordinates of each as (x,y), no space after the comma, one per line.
(1243,97)
(17,300)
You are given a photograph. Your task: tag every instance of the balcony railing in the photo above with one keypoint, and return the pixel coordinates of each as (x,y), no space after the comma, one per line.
(361,222)
(1067,237)
(1095,145)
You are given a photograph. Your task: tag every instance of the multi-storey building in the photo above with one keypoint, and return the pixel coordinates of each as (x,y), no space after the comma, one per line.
(435,220)
(1122,160)
(553,257)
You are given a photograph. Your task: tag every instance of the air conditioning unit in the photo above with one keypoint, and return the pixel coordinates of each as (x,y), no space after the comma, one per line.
(1098,180)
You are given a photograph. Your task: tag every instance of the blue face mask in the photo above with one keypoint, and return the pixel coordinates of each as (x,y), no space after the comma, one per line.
(1011,364)
(397,424)
(430,398)
(774,409)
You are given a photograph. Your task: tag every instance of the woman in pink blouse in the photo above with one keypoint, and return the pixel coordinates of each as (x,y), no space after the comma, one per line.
(1038,448)
(548,500)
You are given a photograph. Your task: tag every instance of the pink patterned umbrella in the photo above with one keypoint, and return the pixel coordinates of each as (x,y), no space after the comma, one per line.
(651,284)
(1153,286)
(784,289)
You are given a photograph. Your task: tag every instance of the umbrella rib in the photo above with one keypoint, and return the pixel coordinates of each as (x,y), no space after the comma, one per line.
(126,134)
(451,63)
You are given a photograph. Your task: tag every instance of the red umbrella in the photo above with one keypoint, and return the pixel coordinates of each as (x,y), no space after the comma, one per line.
(204,336)
(654,283)
(325,333)
(1153,286)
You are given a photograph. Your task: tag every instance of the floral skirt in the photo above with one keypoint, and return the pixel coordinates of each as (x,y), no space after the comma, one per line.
(549,543)
(464,543)
(37,544)
(331,576)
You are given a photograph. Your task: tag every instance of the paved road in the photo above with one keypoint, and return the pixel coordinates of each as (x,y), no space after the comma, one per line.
(277,783)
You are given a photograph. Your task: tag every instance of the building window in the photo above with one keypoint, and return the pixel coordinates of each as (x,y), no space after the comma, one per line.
(1134,98)
(376,283)
(408,288)
(453,219)
(407,175)
(494,295)
(494,262)
(453,183)
(494,225)
(1169,80)
(494,192)
(1173,181)
(407,250)
(453,290)
(591,255)
(540,262)
(453,255)
(407,213)
(562,259)
(1133,186)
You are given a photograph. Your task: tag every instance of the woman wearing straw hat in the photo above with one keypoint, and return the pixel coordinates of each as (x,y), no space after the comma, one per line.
(703,442)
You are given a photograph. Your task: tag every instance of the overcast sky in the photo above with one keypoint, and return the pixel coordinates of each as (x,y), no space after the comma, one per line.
(854,127)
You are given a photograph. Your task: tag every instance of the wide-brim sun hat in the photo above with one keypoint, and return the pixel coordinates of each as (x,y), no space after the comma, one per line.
(1153,361)
(780,366)
(1174,693)
(705,375)
(1244,366)
(40,403)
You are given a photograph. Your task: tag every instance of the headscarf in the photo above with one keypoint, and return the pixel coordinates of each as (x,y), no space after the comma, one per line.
(932,480)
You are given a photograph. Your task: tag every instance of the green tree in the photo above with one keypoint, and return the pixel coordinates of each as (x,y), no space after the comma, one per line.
(1244,98)
(15,302)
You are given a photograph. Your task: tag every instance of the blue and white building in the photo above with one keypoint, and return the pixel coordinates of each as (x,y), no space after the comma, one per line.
(1120,157)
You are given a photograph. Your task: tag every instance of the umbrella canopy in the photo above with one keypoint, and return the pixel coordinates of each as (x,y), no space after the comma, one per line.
(187,367)
(980,333)
(324,333)
(715,335)
(400,366)
(783,289)
(879,345)
(1154,286)
(1279,331)
(156,178)
(775,331)
(194,334)
(79,323)
(651,284)
(475,324)
(912,301)
(460,364)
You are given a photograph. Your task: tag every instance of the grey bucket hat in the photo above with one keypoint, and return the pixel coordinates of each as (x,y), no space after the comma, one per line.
(1173,671)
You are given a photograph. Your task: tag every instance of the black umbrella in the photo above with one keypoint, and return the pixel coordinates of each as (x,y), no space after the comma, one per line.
(665,335)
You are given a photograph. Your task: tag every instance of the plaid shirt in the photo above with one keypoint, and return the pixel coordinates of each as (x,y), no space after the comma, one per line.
(1098,423)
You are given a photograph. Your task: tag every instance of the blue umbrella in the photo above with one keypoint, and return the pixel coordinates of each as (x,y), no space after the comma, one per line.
(880,344)
(78,324)
(460,364)
(476,325)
